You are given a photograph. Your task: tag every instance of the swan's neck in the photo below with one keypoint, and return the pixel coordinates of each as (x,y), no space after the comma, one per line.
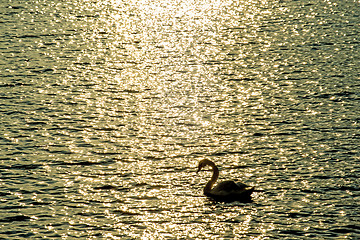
(213,179)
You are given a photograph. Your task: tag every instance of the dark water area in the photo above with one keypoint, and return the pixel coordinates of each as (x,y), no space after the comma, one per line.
(108,106)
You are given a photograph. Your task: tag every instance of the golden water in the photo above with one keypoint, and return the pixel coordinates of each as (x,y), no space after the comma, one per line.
(107,106)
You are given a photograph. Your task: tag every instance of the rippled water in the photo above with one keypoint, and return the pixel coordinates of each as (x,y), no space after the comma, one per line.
(107,106)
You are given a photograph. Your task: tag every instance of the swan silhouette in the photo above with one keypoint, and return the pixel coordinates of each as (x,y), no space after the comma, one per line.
(226,191)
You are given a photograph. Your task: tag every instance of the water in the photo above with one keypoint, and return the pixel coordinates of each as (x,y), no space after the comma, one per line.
(107,106)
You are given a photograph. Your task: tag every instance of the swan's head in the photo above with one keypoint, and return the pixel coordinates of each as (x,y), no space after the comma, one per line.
(201,165)
(204,163)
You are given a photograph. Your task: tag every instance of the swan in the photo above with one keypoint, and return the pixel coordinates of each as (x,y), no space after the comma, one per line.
(226,191)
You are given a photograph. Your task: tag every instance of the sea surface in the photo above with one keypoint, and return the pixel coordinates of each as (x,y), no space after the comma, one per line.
(106,108)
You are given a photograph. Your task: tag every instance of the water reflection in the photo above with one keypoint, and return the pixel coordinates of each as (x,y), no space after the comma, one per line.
(107,106)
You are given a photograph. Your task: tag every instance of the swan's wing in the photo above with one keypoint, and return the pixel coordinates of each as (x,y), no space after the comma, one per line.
(229,186)
(241,185)
(229,191)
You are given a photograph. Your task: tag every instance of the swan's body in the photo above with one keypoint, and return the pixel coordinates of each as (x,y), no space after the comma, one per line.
(226,191)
